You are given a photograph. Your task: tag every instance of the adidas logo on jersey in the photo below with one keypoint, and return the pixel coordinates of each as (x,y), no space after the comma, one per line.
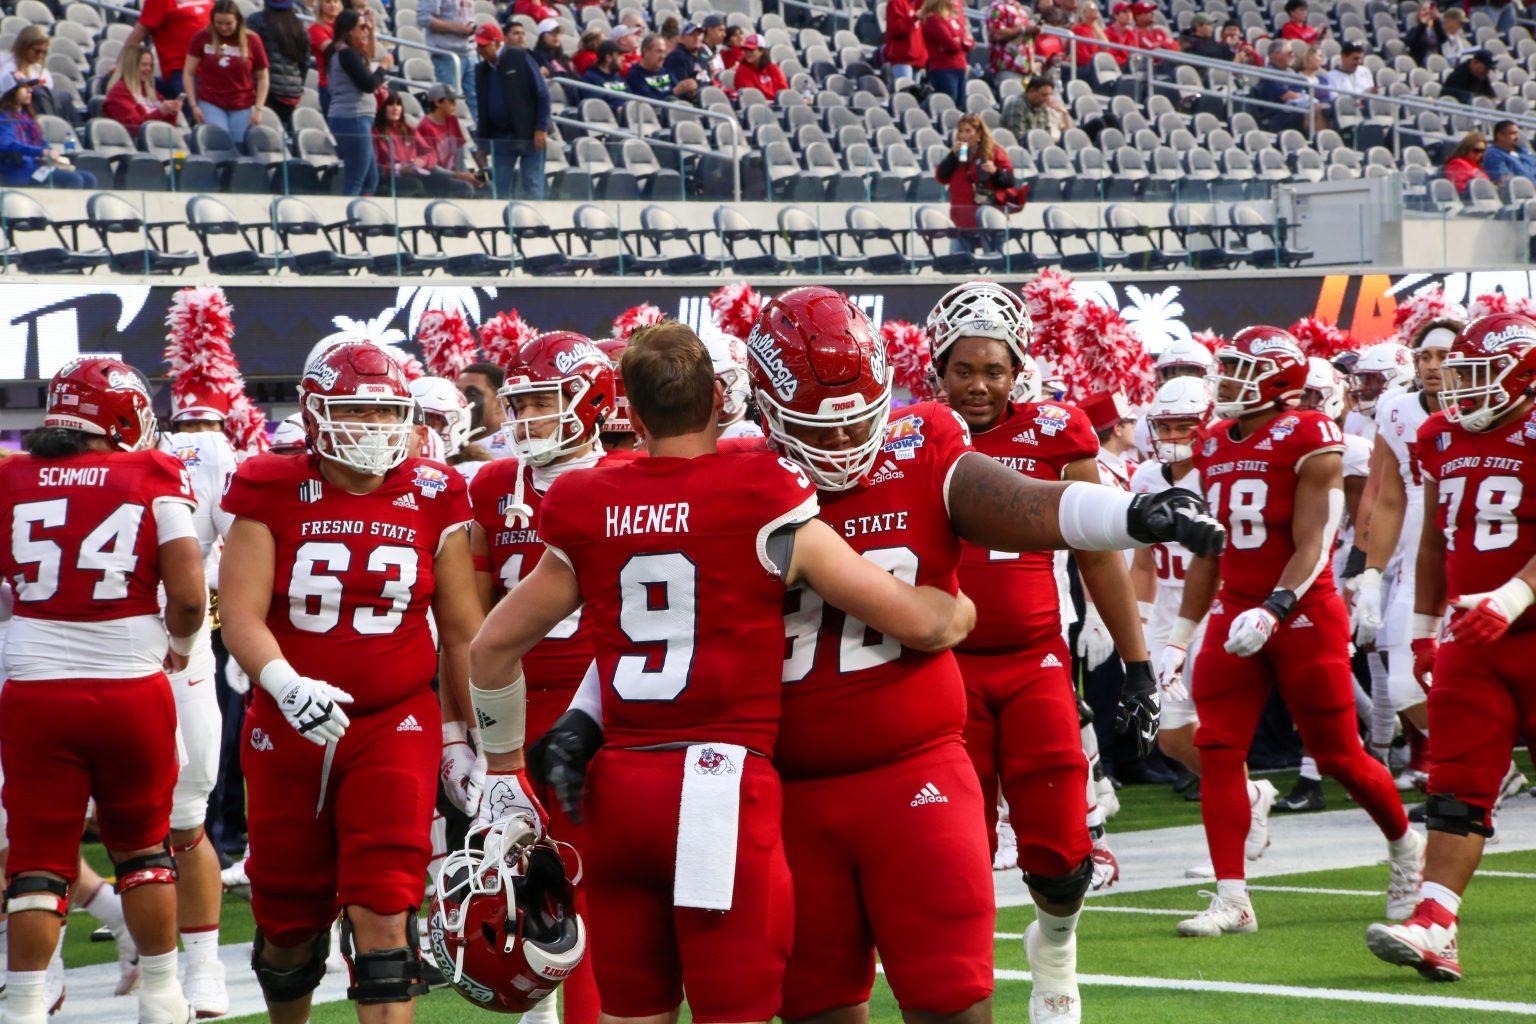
(929,794)
(260,740)
(885,474)
(409,725)
(1301,622)
(1050,661)
(1027,437)
(1264,446)
(406,500)
(1518,439)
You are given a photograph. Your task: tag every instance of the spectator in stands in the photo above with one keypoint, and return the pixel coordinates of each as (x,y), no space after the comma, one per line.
(170,25)
(225,76)
(688,59)
(406,166)
(650,77)
(24,159)
(1309,65)
(1282,93)
(1049,50)
(354,80)
(534,10)
(670,29)
(1507,158)
(1201,39)
(27,62)
(949,42)
(628,39)
(551,58)
(450,25)
(1296,28)
(441,137)
(1010,30)
(756,71)
(1457,43)
(905,51)
(1239,50)
(974,168)
(1150,35)
(1470,78)
(1037,106)
(731,51)
(586,53)
(1466,162)
(1351,74)
(1090,26)
(514,111)
(1122,28)
(320,32)
(608,74)
(709,50)
(131,96)
(287,46)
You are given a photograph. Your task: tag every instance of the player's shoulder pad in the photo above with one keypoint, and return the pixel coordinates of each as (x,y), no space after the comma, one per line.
(274,468)
(732,446)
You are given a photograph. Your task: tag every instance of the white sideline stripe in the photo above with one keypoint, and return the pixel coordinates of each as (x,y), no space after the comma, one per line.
(1506,874)
(1317,892)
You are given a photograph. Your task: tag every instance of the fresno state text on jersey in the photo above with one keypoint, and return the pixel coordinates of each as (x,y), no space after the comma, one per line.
(353,573)
(1487,512)
(1250,484)
(680,599)
(1017,603)
(855,698)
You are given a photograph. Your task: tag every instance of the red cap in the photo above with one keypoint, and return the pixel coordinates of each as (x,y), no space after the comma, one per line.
(490,32)
(1142,7)
(753,42)
(1106,409)
(203,404)
(1118,8)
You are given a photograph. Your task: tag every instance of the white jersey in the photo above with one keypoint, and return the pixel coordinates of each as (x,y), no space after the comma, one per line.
(1401,419)
(1358,424)
(741,428)
(497,445)
(1357,463)
(468,469)
(1170,561)
(210,460)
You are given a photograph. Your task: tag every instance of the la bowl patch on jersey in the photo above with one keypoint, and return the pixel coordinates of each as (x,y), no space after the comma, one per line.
(1284,427)
(431,482)
(189,455)
(1052,419)
(904,437)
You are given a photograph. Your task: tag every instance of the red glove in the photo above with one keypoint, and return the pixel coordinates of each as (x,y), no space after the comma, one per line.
(1486,617)
(1424,650)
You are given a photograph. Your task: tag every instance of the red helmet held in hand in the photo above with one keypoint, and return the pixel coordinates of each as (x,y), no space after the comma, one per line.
(1260,368)
(104,397)
(1491,366)
(567,382)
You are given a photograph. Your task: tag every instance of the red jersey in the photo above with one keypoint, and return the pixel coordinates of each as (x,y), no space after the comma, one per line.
(1487,511)
(225,78)
(1251,487)
(679,598)
(83,543)
(1017,604)
(855,699)
(353,574)
(172,24)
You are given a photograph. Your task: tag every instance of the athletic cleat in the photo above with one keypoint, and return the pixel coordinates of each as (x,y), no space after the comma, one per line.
(1053,997)
(1262,797)
(1223,917)
(236,882)
(1106,869)
(1411,780)
(1514,783)
(1426,942)
(1405,873)
(1109,799)
(205,988)
(169,1007)
(1007,856)
(1192,794)
(1306,795)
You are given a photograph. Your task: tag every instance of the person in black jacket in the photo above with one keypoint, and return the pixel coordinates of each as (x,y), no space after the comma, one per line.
(288,56)
(513,119)
(607,73)
(1470,77)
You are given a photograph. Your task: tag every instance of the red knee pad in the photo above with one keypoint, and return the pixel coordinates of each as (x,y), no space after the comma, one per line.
(150,869)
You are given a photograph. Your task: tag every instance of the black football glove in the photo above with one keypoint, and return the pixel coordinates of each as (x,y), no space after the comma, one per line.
(1140,706)
(1175,516)
(559,758)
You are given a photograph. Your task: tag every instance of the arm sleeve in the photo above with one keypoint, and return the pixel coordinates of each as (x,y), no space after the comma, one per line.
(354,67)
(1315,434)
(560,518)
(1431,431)
(173,521)
(120,107)
(258,53)
(947,167)
(152,14)
(787,501)
(453,507)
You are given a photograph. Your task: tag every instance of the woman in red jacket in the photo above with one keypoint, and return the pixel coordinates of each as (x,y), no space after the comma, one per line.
(1466,163)
(905,50)
(756,71)
(949,43)
(975,168)
(131,97)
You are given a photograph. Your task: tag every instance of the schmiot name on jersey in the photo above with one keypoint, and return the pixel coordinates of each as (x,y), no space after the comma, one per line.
(859,526)
(71,476)
(1239,466)
(634,520)
(358,527)
(1480,462)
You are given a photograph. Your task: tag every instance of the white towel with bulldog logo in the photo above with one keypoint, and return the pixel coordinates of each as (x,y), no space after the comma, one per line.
(707,820)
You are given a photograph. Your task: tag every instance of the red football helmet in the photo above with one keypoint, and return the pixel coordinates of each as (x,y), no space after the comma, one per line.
(105,397)
(503,925)
(817,364)
(618,421)
(1490,368)
(569,367)
(1268,367)
(357,374)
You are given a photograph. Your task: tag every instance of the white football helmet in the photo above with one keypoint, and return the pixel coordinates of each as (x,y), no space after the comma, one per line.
(439,398)
(290,433)
(1179,399)
(729,356)
(1185,357)
(1382,369)
(1324,390)
(980,309)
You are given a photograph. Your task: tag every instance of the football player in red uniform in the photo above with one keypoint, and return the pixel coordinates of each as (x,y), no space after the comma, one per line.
(863,805)
(1274,477)
(96,524)
(618,434)
(1477,554)
(679,563)
(328,573)
(1022,725)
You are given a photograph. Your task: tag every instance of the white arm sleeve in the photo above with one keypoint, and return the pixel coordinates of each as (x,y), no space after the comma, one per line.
(173,520)
(589,696)
(1094,518)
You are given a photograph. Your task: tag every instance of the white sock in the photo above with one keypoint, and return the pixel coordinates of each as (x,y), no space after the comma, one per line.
(157,973)
(1309,770)
(1232,888)
(1058,931)
(1441,895)
(1402,844)
(25,992)
(58,948)
(106,906)
(200,946)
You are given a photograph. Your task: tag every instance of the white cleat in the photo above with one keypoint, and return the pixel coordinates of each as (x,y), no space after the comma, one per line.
(1106,869)
(1109,799)
(1514,783)
(205,988)
(334,961)
(1201,871)
(1263,798)
(1007,856)
(1053,997)
(236,882)
(168,1007)
(1223,917)
(1427,947)
(1405,873)
(127,962)
(1411,780)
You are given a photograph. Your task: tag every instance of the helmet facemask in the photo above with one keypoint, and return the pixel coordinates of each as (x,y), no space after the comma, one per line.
(1169,452)
(736,386)
(371,449)
(830,470)
(1472,390)
(566,431)
(1245,371)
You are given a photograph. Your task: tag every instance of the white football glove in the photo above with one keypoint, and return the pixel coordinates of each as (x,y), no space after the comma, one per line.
(311,706)
(509,793)
(1365,617)
(1250,631)
(457,770)
(1094,644)
(1170,672)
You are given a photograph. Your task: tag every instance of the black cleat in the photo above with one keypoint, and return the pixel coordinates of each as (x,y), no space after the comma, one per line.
(1306,795)
(1192,794)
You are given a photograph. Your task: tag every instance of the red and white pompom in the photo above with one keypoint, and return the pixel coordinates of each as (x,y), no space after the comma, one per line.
(447,344)
(1422,307)
(199,329)
(907,349)
(1322,338)
(1051,308)
(1112,356)
(634,318)
(1500,302)
(503,337)
(736,307)
(1210,339)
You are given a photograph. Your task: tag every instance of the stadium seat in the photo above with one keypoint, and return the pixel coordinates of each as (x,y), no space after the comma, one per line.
(1125,224)
(1266,239)
(207,218)
(822,254)
(1088,249)
(734,229)
(524,225)
(675,250)
(294,218)
(109,215)
(880,248)
(367,221)
(447,220)
(20,214)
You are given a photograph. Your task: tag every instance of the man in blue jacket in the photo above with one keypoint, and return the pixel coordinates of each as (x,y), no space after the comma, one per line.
(1506,158)
(513,115)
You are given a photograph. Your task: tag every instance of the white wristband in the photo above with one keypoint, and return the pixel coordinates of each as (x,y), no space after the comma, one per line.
(1092,517)
(502,715)
(183,645)
(1144,609)
(1425,627)
(1369,578)
(275,676)
(1514,597)
(455,732)
(1183,629)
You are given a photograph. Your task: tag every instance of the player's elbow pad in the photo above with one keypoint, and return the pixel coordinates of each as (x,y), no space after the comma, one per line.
(502,715)
(1092,517)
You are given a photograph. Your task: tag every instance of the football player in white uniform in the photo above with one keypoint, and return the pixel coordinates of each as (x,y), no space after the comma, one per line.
(448,417)
(1184,357)
(479,382)
(1383,369)
(729,356)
